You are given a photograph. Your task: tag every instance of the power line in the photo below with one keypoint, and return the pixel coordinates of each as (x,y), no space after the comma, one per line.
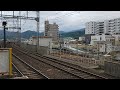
(59,17)
(16,19)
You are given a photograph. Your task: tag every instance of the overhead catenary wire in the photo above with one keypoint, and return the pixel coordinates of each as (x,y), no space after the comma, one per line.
(51,18)
(15,21)
(59,17)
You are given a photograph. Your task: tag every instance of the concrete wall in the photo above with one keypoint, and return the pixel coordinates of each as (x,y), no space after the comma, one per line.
(41,50)
(42,41)
(92,62)
(112,68)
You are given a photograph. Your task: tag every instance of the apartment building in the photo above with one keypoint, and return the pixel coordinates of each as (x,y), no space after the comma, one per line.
(103,27)
(90,27)
(52,30)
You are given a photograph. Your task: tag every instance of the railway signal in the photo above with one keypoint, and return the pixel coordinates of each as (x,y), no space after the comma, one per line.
(4,23)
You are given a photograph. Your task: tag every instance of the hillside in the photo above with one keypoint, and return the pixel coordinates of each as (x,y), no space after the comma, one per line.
(28,34)
(8,34)
(74,34)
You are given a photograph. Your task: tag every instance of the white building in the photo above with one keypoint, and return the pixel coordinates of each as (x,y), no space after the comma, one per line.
(103,37)
(81,38)
(90,27)
(103,27)
(103,42)
(43,41)
(117,39)
(99,28)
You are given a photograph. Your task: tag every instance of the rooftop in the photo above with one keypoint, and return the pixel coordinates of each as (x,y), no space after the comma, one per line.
(41,37)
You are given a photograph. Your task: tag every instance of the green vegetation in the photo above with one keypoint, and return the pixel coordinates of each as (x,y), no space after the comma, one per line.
(27,34)
(74,34)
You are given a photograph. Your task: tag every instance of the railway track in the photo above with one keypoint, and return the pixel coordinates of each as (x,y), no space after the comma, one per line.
(24,69)
(16,72)
(73,66)
(54,69)
(67,67)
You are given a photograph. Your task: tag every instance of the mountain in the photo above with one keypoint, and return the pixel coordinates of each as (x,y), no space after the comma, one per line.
(74,34)
(61,32)
(27,34)
(8,34)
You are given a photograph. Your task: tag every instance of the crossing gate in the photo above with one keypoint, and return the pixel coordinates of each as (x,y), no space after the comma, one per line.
(5,61)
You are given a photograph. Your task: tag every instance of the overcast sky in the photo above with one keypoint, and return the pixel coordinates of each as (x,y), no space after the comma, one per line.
(67,20)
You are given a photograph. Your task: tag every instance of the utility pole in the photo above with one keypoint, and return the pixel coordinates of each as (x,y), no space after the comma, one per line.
(77,47)
(13,23)
(60,44)
(98,50)
(49,49)
(37,19)
(17,30)
(20,28)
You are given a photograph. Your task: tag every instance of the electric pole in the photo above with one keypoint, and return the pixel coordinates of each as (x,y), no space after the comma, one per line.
(98,50)
(37,19)
(60,44)
(20,28)
(13,23)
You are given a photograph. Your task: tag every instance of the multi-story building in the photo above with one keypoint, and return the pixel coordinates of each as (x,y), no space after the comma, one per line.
(103,37)
(99,28)
(90,27)
(104,43)
(103,27)
(52,30)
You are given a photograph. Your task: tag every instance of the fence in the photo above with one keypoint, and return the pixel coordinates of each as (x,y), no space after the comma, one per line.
(81,58)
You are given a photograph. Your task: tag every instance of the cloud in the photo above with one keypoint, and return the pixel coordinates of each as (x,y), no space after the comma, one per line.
(72,20)
(67,20)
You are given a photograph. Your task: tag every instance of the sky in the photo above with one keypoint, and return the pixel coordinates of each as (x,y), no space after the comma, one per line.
(67,20)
